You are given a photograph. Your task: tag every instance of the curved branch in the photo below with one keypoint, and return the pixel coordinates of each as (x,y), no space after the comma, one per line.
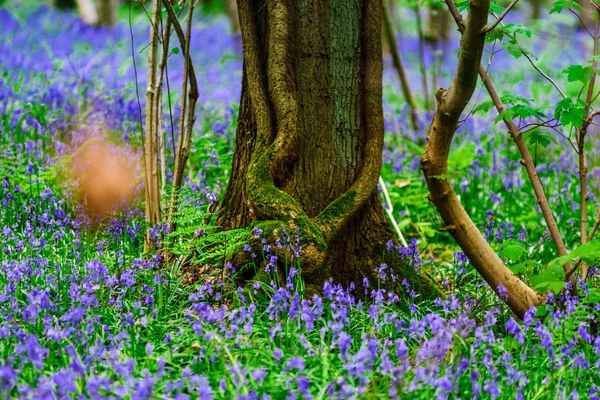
(153,212)
(397,61)
(282,86)
(183,42)
(268,201)
(527,161)
(538,69)
(583,166)
(185,123)
(255,74)
(434,164)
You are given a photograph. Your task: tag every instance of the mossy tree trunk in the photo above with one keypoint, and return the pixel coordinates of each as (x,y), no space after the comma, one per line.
(310,134)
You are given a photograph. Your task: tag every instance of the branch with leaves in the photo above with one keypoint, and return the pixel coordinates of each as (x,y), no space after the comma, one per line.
(434,163)
(526,159)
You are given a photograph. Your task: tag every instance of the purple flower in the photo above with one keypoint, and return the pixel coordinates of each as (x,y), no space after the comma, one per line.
(296,363)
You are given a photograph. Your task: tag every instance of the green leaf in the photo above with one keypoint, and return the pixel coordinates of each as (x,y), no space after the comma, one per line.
(517,268)
(552,278)
(484,107)
(175,50)
(123,69)
(513,48)
(520,111)
(523,266)
(513,250)
(593,297)
(512,31)
(555,286)
(541,311)
(494,8)
(588,251)
(517,29)
(577,73)
(570,112)
(559,5)
(514,99)
(539,137)
(507,114)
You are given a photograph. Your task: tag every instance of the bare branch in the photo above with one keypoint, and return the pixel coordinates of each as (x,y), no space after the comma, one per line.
(581,23)
(397,61)
(137,90)
(182,42)
(185,124)
(166,35)
(581,134)
(501,17)
(538,69)
(152,191)
(596,6)
(390,211)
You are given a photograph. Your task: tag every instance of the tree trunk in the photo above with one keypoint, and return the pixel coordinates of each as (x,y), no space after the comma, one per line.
(87,11)
(151,168)
(232,13)
(536,9)
(438,24)
(585,14)
(390,38)
(310,135)
(107,12)
(64,4)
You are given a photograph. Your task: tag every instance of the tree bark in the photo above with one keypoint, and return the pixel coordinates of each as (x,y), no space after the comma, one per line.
(399,66)
(310,135)
(536,9)
(585,14)
(87,11)
(232,13)
(438,24)
(151,164)
(107,12)
(450,105)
